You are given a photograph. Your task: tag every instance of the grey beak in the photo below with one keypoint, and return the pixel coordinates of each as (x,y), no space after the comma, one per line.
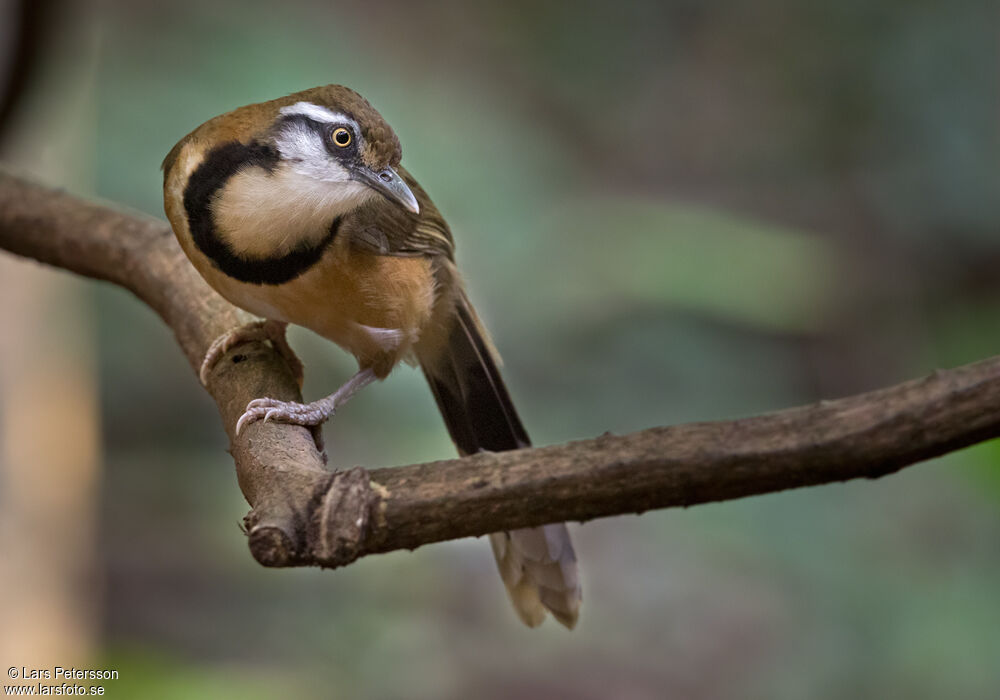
(391,185)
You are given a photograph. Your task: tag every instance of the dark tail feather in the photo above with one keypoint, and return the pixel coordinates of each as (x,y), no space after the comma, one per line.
(538,565)
(470,393)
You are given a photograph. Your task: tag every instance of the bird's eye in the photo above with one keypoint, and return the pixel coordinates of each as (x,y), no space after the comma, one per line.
(342,137)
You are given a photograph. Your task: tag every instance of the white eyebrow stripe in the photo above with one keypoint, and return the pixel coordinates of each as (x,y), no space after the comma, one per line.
(316,113)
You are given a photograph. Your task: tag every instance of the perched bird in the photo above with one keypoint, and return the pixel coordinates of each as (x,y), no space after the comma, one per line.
(298,211)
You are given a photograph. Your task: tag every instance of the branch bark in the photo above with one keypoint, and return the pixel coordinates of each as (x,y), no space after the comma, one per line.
(303,514)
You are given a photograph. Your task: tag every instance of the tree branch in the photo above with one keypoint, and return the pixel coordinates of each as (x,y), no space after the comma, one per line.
(303,514)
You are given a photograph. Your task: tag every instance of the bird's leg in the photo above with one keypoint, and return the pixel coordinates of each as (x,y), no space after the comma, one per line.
(308,414)
(251,332)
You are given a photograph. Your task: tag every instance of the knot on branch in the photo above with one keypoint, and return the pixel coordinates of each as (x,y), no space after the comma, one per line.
(330,529)
(271,546)
(341,517)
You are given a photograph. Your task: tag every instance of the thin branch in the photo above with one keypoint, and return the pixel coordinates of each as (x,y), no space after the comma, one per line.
(303,514)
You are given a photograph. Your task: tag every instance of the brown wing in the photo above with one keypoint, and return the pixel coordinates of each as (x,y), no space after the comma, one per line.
(387,229)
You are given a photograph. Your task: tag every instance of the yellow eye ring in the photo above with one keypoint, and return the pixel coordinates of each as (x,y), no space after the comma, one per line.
(342,137)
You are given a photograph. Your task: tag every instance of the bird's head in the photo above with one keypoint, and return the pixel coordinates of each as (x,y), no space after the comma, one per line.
(277,178)
(333,135)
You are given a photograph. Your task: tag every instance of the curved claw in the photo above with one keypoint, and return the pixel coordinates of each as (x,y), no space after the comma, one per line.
(216,351)
(225,342)
(203,372)
(247,417)
(273,331)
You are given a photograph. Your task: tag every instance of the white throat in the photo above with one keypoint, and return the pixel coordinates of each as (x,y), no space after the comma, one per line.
(262,215)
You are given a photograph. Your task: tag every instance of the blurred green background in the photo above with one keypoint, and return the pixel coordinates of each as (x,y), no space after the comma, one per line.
(666,212)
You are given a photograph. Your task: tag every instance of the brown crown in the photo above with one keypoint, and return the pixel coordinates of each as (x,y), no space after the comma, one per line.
(381,149)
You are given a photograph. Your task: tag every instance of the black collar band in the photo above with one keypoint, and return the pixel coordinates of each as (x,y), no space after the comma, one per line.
(219,165)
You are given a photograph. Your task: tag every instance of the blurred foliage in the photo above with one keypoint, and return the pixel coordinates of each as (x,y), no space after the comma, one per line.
(666,212)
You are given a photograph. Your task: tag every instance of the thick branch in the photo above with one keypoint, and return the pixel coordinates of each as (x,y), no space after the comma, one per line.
(303,514)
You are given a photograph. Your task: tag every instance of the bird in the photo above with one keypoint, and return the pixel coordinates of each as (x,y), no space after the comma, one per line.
(298,211)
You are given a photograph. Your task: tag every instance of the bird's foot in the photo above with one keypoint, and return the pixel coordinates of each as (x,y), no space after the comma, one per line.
(307,414)
(251,332)
(311,415)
